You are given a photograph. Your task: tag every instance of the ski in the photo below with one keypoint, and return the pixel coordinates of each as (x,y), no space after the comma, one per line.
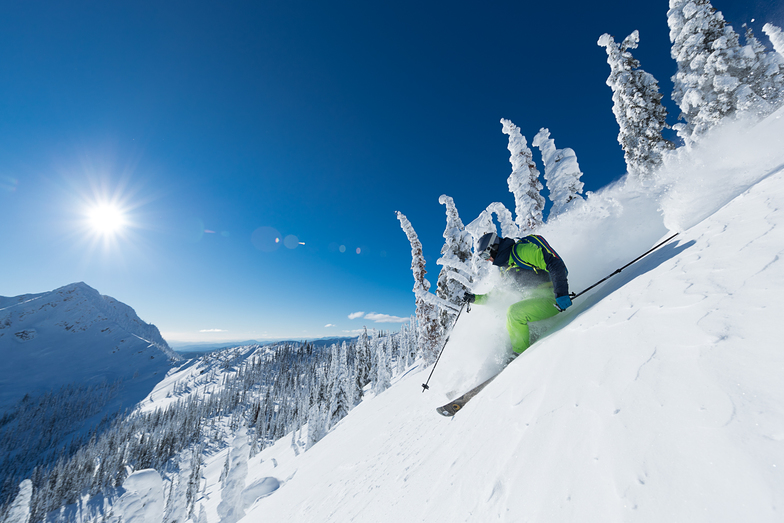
(451,408)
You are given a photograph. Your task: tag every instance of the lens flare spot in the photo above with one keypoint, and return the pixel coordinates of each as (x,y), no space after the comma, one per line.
(266,239)
(8,184)
(291,241)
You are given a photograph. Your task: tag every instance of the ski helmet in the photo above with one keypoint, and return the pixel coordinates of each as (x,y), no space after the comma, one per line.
(488,246)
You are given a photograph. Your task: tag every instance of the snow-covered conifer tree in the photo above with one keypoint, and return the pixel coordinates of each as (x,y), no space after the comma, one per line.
(408,341)
(400,357)
(338,381)
(456,275)
(362,365)
(194,479)
(561,171)
(524,181)
(317,427)
(373,356)
(776,37)
(383,378)
(427,314)
(177,501)
(710,82)
(765,76)
(637,107)
(319,407)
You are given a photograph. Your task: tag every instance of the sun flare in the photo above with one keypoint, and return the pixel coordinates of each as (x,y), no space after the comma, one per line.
(106,219)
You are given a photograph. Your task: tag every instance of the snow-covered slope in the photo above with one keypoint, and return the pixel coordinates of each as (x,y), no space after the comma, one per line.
(199,377)
(75,335)
(658,397)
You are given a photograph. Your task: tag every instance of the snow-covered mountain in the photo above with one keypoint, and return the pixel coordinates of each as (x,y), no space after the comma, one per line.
(75,335)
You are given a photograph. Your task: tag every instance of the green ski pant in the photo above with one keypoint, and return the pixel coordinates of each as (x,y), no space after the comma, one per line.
(521,313)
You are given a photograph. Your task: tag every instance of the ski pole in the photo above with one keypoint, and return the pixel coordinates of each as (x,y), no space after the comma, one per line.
(573,295)
(424,385)
(444,303)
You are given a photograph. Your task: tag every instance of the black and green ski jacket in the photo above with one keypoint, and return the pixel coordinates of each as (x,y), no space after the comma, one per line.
(532,259)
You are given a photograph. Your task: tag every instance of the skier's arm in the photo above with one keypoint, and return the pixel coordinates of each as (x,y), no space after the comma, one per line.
(558,273)
(476,298)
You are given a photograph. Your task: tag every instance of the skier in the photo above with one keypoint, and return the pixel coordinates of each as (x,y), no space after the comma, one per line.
(534,266)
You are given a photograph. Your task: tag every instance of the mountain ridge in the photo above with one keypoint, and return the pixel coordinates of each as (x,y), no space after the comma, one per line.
(75,328)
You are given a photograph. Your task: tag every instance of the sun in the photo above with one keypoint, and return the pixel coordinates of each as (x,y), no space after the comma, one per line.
(106,219)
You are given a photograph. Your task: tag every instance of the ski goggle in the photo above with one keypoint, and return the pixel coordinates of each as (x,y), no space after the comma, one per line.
(486,254)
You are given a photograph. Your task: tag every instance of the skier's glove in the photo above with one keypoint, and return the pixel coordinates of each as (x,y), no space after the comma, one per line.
(470,298)
(563,303)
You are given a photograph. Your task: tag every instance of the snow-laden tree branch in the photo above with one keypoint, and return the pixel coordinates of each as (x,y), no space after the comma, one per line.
(776,37)
(561,171)
(524,181)
(429,334)
(456,274)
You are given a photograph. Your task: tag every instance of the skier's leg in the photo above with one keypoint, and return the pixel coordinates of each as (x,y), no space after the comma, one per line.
(521,313)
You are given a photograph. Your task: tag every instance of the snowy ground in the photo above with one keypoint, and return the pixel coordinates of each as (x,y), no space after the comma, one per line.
(657,397)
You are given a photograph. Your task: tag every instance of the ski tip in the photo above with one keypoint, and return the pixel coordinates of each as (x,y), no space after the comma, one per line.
(449,410)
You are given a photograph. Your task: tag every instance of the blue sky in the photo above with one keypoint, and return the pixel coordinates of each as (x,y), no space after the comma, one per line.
(218,126)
